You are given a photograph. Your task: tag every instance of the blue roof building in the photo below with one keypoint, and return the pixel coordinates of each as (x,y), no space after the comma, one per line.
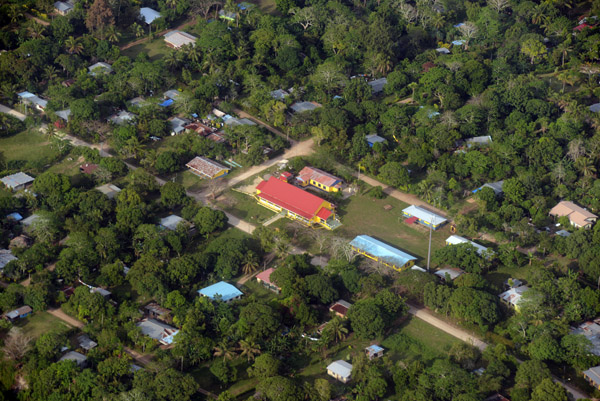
(225,291)
(374,351)
(381,252)
(424,216)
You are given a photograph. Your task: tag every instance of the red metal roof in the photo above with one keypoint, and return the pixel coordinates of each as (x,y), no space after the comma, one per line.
(320,176)
(341,309)
(290,197)
(412,220)
(324,213)
(266,276)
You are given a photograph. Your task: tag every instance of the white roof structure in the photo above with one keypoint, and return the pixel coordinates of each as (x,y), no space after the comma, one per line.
(121,118)
(595,108)
(33,99)
(159,331)
(74,356)
(109,190)
(418,268)
(14,181)
(234,122)
(99,68)
(86,342)
(30,220)
(479,140)
(64,114)
(6,256)
(374,138)
(591,330)
(457,239)
(424,214)
(453,272)
(497,186)
(177,39)
(563,233)
(340,368)
(148,14)
(301,107)
(442,50)
(513,296)
(171,222)
(279,94)
(378,84)
(171,94)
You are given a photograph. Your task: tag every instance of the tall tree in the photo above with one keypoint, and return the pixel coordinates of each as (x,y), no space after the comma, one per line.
(99,16)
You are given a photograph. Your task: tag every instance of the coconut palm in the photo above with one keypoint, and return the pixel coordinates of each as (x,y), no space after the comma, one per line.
(426,190)
(586,166)
(111,34)
(337,329)
(225,350)
(36,30)
(73,45)
(250,263)
(249,349)
(172,60)
(15,13)
(50,72)
(564,48)
(137,29)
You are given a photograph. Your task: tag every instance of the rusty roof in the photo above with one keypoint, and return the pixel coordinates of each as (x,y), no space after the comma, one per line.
(206,167)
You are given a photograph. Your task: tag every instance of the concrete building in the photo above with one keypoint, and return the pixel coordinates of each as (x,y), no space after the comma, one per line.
(177,39)
(17,181)
(340,370)
(578,216)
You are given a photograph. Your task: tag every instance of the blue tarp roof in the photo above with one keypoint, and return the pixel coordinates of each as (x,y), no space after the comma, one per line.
(166,103)
(225,290)
(381,250)
(374,348)
(15,216)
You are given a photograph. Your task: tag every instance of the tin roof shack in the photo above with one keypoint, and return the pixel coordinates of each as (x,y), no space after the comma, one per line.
(377,85)
(453,272)
(99,68)
(79,359)
(18,313)
(161,332)
(222,291)
(17,181)
(148,15)
(340,308)
(6,256)
(495,186)
(109,190)
(34,100)
(374,351)
(373,139)
(173,221)
(155,311)
(513,296)
(206,168)
(177,39)
(63,7)
(301,107)
(340,370)
(86,343)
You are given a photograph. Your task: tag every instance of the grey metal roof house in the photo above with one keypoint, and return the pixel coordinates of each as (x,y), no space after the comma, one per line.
(592,375)
(121,118)
(279,94)
(479,141)
(341,370)
(63,8)
(301,107)
(36,101)
(109,190)
(374,138)
(159,331)
(86,342)
(19,313)
(171,222)
(75,356)
(30,220)
(64,114)
(378,84)
(148,15)
(6,256)
(176,39)
(99,68)
(17,181)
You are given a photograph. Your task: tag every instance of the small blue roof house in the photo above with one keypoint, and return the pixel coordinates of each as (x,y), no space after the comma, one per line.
(374,351)
(374,138)
(382,252)
(221,290)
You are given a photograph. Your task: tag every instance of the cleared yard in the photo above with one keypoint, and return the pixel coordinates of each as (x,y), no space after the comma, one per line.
(42,322)
(27,145)
(245,207)
(155,49)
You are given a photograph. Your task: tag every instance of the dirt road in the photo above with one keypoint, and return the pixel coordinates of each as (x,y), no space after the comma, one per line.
(57,312)
(243,114)
(7,110)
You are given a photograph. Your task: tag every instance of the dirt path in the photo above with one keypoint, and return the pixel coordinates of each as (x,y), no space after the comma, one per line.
(57,312)
(7,110)
(27,281)
(243,114)
(36,19)
(403,196)
(144,39)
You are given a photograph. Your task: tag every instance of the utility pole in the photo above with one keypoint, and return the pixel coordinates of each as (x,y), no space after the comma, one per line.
(431,223)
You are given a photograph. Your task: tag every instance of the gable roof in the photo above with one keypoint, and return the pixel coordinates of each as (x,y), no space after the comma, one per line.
(64,114)
(457,240)
(340,368)
(122,117)
(109,190)
(148,14)
(378,84)
(373,349)
(290,197)
(171,222)
(424,214)
(179,38)
(513,296)
(100,67)
(23,310)
(74,356)
(171,94)
(34,99)
(453,272)
(266,276)
(86,342)
(279,94)
(593,374)
(311,173)
(225,290)
(15,180)
(576,214)
(205,166)
(381,250)
(374,138)
(340,307)
(63,6)
(6,256)
(158,330)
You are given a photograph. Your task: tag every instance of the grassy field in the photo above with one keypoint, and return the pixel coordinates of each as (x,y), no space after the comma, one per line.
(66,166)
(155,49)
(26,145)
(40,323)
(503,273)
(361,214)
(245,207)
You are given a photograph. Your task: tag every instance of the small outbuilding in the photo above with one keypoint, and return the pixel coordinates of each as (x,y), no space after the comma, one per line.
(6,256)
(340,370)
(18,313)
(340,308)
(206,168)
(86,343)
(452,272)
(17,181)
(301,107)
(63,7)
(121,118)
(264,278)
(172,222)
(79,359)
(34,100)
(110,190)
(148,15)
(222,291)
(374,351)
(457,240)
(377,85)
(99,68)
(373,139)
(513,296)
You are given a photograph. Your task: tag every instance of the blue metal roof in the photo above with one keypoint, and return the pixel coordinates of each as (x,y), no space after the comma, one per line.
(15,216)
(374,348)
(225,290)
(381,250)
(166,103)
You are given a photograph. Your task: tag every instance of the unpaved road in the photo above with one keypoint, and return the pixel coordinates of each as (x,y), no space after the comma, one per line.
(7,110)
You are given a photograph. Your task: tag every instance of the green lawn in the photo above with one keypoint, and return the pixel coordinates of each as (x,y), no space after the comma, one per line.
(361,214)
(498,276)
(155,49)
(27,145)
(245,207)
(66,166)
(252,287)
(40,323)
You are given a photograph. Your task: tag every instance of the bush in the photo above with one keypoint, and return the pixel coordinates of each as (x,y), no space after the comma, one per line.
(377,192)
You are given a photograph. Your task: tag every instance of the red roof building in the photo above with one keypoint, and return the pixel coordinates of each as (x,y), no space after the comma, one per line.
(88,168)
(319,178)
(264,278)
(296,203)
(340,308)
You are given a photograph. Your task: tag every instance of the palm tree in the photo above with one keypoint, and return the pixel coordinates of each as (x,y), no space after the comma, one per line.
(426,190)
(15,13)
(50,72)
(112,35)
(73,45)
(282,248)
(137,29)
(171,3)
(337,329)
(586,166)
(564,48)
(224,349)
(250,263)
(36,30)
(249,349)
(171,60)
